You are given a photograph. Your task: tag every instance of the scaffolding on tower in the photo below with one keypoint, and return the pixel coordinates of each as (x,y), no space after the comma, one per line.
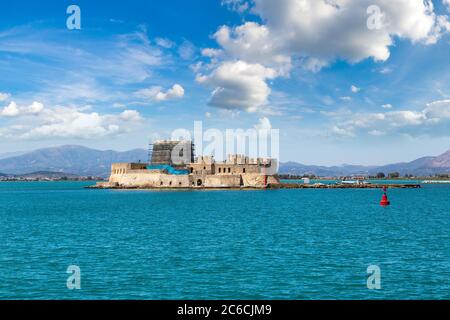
(160,152)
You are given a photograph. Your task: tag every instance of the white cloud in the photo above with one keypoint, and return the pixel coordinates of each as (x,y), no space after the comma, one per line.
(387,106)
(35,108)
(314,64)
(239,6)
(130,115)
(433,119)
(64,122)
(376,133)
(405,118)
(36,121)
(354,89)
(187,50)
(4,96)
(343,132)
(68,123)
(447,3)
(253,43)
(316,33)
(338,29)
(263,124)
(11,110)
(118,105)
(324,31)
(164,42)
(211,53)
(157,93)
(385,70)
(346,98)
(239,85)
(438,110)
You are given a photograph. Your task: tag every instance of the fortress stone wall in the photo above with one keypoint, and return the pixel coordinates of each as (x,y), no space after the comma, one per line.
(237,171)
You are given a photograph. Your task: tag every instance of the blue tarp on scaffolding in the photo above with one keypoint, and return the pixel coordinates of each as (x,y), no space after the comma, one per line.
(168,169)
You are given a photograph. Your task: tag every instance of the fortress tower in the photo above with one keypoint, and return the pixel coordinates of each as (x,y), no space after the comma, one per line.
(173,153)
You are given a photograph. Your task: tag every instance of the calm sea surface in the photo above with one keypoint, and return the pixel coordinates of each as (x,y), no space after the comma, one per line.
(280,244)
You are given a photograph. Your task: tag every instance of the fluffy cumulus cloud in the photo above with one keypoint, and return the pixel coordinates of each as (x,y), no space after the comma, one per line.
(65,122)
(253,43)
(34,108)
(438,110)
(447,3)
(69,123)
(4,96)
(263,124)
(130,115)
(347,29)
(239,85)
(157,93)
(354,89)
(13,110)
(315,33)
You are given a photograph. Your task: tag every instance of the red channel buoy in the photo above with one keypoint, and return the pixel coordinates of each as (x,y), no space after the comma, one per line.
(384,199)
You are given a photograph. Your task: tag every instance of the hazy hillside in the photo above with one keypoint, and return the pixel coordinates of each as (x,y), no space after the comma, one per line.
(422,166)
(295,168)
(443,161)
(10,154)
(70,159)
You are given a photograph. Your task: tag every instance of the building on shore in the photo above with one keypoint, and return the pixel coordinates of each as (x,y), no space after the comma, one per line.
(172,165)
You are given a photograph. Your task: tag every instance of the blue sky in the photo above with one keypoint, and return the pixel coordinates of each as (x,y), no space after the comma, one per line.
(338,91)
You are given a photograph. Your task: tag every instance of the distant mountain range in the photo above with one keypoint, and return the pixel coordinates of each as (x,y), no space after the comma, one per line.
(295,168)
(82,161)
(10,154)
(425,166)
(76,160)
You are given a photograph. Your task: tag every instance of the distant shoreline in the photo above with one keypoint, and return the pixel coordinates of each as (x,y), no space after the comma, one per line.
(433,178)
(99,179)
(52,180)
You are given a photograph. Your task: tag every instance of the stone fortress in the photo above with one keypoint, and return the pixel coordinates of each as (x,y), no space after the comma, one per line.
(173,166)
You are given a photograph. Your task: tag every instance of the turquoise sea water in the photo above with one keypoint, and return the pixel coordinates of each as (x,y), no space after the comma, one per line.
(272,244)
